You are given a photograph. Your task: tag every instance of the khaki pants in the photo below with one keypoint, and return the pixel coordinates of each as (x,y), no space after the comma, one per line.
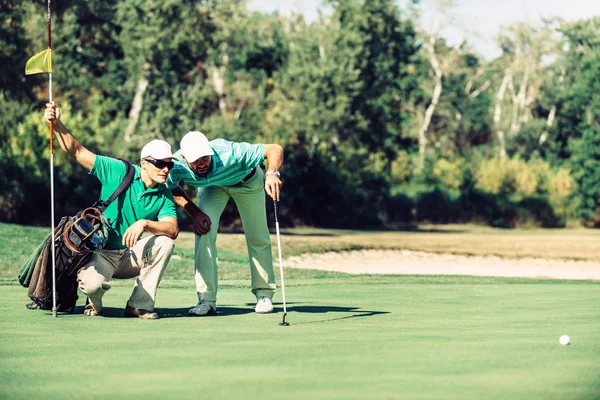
(146,260)
(249,198)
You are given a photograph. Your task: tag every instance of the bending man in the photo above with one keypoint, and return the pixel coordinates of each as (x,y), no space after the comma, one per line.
(221,169)
(146,206)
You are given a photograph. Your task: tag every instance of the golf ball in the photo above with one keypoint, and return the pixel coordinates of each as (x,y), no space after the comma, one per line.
(564,340)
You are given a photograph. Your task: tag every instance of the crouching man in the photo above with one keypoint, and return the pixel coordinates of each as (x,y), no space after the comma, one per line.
(146,206)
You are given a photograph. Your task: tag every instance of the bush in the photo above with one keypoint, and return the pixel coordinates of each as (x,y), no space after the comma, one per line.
(493,177)
(510,176)
(491,209)
(438,205)
(498,192)
(402,207)
(537,211)
(531,193)
(561,189)
(449,174)
(401,168)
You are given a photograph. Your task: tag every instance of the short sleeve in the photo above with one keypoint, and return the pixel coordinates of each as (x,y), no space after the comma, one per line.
(108,169)
(174,176)
(168,208)
(249,155)
(177,173)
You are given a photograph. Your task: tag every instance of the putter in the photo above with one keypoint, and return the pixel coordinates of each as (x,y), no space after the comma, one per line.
(282,323)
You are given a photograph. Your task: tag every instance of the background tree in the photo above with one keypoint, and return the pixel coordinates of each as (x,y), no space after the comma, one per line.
(381,125)
(577,137)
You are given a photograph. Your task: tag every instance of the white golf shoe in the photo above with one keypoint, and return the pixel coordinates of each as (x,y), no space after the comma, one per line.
(264,305)
(204,308)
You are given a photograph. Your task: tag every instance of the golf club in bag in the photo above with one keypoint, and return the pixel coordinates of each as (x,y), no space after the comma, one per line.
(282,323)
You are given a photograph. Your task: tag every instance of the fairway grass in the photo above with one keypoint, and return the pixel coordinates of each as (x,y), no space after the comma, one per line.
(558,244)
(346,341)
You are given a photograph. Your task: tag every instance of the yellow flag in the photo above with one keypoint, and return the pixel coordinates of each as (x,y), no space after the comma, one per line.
(41,62)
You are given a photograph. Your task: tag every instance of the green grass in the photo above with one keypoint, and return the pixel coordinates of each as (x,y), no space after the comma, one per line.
(352,336)
(353,341)
(569,244)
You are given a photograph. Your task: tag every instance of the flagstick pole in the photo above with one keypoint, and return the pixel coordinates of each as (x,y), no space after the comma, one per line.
(54,308)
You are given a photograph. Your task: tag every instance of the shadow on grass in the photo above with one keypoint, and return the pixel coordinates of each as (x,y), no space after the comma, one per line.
(179,312)
(224,311)
(356,311)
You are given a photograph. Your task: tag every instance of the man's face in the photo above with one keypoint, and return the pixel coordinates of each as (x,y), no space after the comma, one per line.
(158,170)
(200,166)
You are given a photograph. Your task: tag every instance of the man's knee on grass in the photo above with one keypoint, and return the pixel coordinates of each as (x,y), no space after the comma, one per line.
(91,282)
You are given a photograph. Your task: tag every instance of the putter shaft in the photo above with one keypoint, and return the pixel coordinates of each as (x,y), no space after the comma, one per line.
(283,323)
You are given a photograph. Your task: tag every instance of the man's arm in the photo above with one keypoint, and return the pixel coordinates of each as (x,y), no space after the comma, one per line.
(67,141)
(183,200)
(167,226)
(274,157)
(201,221)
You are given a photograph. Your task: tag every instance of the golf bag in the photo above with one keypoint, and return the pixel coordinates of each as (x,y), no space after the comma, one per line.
(74,240)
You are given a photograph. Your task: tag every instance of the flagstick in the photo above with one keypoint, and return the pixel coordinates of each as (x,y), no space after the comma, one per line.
(54,308)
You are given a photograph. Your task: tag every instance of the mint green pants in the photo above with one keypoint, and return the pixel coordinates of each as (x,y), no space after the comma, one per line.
(249,198)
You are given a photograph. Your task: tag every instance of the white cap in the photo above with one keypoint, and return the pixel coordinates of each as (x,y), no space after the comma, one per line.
(195,145)
(157,149)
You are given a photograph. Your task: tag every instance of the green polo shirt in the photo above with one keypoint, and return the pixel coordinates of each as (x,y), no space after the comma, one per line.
(134,204)
(231,162)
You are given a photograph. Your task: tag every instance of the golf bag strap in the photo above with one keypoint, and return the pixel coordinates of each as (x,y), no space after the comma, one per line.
(129,173)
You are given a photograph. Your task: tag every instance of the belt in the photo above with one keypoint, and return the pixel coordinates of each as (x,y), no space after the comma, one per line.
(247,177)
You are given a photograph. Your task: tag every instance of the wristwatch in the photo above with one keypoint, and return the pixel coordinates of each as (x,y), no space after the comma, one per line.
(273,172)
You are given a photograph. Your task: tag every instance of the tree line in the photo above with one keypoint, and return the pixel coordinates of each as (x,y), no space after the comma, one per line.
(383,123)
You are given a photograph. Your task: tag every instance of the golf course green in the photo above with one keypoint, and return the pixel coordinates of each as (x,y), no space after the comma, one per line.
(386,341)
(351,336)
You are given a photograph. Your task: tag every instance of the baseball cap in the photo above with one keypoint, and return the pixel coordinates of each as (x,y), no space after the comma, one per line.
(195,145)
(158,149)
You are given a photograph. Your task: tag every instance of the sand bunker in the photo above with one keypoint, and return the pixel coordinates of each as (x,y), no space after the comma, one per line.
(421,263)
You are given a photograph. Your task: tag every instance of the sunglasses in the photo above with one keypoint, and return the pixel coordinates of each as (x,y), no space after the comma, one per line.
(160,164)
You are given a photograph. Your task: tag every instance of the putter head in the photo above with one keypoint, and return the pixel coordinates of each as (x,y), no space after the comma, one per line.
(283,323)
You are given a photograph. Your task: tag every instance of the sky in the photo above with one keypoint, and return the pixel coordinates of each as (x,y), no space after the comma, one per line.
(479,20)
